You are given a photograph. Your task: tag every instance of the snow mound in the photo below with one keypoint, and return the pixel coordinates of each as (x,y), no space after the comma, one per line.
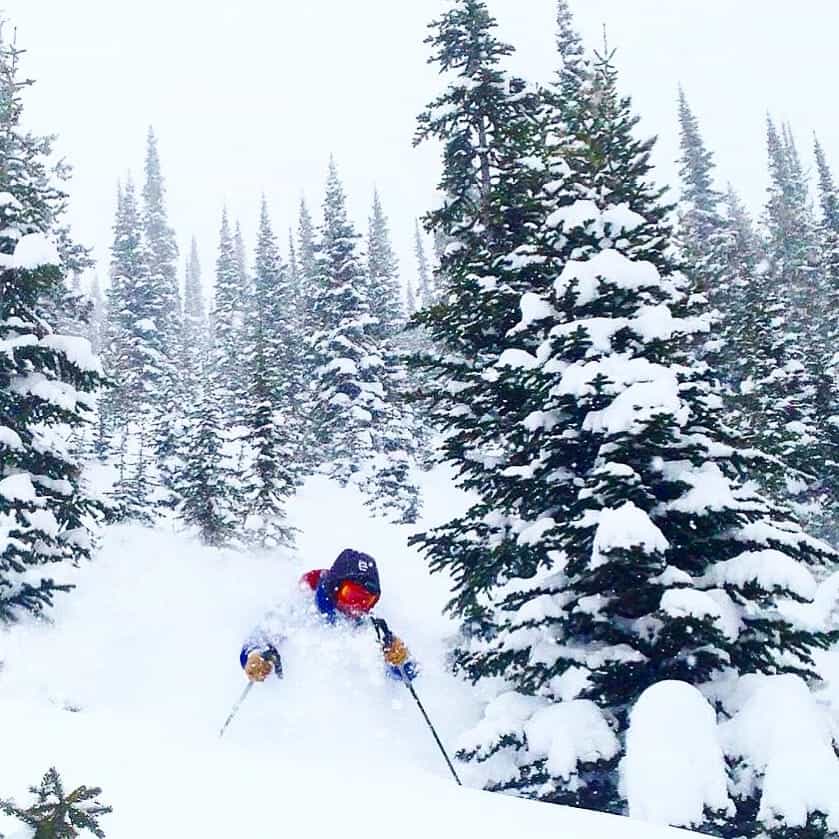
(674,766)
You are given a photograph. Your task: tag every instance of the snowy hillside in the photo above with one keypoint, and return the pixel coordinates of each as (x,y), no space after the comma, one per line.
(130,690)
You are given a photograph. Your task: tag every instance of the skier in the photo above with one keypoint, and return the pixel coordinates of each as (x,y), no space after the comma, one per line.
(343,594)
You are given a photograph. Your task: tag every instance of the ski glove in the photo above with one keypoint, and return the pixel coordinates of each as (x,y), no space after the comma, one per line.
(395,651)
(257,668)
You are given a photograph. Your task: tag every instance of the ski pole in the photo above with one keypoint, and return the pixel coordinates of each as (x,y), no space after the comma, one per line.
(269,655)
(245,692)
(419,705)
(385,638)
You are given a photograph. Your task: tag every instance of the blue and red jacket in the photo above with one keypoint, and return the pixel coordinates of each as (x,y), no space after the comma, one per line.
(315,580)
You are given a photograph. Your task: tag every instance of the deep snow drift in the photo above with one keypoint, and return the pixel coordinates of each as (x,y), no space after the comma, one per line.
(129,688)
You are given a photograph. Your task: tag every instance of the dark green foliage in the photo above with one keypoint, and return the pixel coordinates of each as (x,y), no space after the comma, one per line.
(614,544)
(425,295)
(137,352)
(162,249)
(207,486)
(231,296)
(195,323)
(59,815)
(383,276)
(47,380)
(272,361)
(348,392)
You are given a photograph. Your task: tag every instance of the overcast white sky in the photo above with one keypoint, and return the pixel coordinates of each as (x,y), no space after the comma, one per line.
(254,95)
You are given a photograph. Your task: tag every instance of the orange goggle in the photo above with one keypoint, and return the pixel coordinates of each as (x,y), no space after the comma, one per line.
(352,597)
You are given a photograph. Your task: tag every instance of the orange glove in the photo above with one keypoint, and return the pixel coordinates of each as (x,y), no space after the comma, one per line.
(257,669)
(395,652)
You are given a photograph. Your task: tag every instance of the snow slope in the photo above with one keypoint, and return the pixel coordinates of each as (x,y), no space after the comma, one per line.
(129,688)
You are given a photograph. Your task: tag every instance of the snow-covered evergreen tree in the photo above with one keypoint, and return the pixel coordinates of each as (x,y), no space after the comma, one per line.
(228,322)
(273,428)
(790,429)
(96,329)
(389,486)
(829,228)
(162,249)
(824,348)
(296,280)
(425,290)
(383,275)
(613,546)
(47,379)
(410,299)
(137,353)
(132,498)
(195,326)
(491,135)
(700,223)
(348,391)
(569,45)
(207,487)
(790,222)
(136,358)
(308,252)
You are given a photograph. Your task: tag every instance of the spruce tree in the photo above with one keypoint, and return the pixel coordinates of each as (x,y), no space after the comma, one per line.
(383,275)
(491,133)
(613,545)
(137,351)
(162,253)
(410,300)
(700,223)
(295,279)
(96,330)
(228,323)
(573,65)
(389,486)
(162,249)
(425,292)
(790,223)
(137,360)
(824,350)
(308,252)
(273,427)
(790,428)
(207,486)
(828,327)
(308,257)
(195,327)
(59,815)
(348,397)
(47,380)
